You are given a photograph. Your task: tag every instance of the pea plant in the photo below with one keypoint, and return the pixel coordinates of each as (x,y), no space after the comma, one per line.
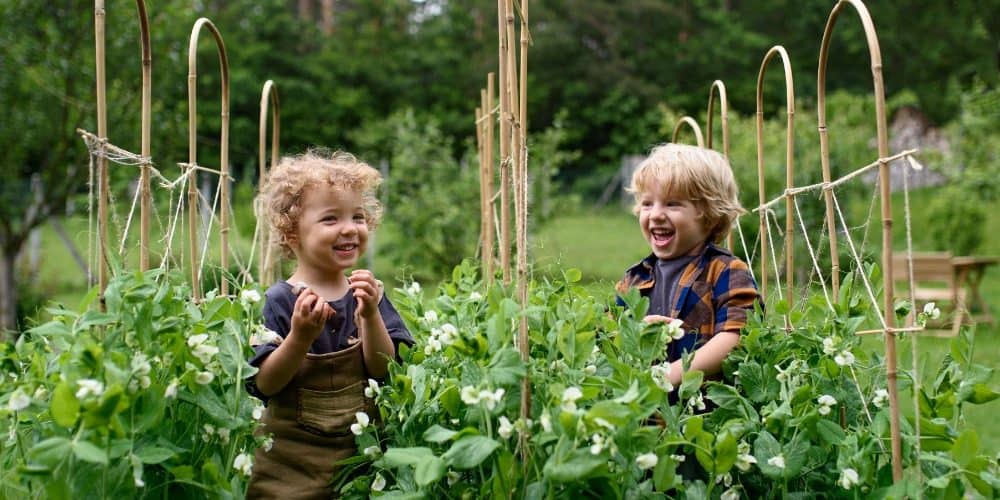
(798,411)
(143,400)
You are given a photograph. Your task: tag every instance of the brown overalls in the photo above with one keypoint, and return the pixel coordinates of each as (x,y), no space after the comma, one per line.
(310,420)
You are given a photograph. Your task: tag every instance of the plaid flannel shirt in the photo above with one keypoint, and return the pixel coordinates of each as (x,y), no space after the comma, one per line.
(713,295)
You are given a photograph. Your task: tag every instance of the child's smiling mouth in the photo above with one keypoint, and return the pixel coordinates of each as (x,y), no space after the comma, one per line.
(661,236)
(345,247)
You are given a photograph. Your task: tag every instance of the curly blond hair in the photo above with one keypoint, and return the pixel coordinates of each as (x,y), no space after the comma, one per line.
(694,173)
(288,181)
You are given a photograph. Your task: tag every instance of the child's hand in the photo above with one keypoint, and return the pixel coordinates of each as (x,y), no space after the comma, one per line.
(310,314)
(656,318)
(367,290)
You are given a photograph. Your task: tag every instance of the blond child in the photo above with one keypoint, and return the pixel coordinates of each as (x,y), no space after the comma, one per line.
(686,201)
(336,330)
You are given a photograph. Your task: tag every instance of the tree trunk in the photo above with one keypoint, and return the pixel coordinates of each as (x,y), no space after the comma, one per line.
(327,8)
(8,294)
(305,10)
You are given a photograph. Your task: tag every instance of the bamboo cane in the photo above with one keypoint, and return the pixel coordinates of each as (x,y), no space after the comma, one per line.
(687,120)
(522,250)
(514,163)
(789,169)
(193,154)
(505,128)
(268,95)
(102,162)
(145,206)
(875,54)
(724,122)
(488,272)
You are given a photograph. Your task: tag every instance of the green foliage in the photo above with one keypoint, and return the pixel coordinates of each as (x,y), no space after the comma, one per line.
(797,413)
(432,202)
(145,399)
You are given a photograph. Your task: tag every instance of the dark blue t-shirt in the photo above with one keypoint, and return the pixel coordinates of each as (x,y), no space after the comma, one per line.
(279,303)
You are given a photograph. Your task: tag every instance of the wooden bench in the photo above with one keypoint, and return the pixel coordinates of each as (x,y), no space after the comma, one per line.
(934,280)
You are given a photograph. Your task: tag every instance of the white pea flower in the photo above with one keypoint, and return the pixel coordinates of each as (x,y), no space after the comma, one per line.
(598,444)
(209,429)
(373,389)
(506,428)
(88,386)
(697,401)
(244,463)
(825,402)
(848,478)
(18,400)
(267,443)
(263,335)
(433,345)
(431,316)
(725,479)
(137,480)
(224,434)
(828,346)
(362,421)
(931,310)
(777,461)
(647,461)
(140,364)
(604,423)
(413,289)
(250,296)
(546,421)
(171,391)
(569,398)
(205,352)
(475,297)
(470,395)
(378,484)
(449,330)
(196,340)
(881,397)
(590,369)
(675,330)
(204,378)
(845,358)
(453,477)
(731,494)
(258,412)
(491,399)
(678,458)
(373,452)
(661,376)
(744,461)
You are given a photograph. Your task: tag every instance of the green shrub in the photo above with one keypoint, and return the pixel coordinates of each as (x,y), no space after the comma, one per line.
(144,400)
(798,414)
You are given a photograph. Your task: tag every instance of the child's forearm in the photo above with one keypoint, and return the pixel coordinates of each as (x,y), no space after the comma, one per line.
(708,358)
(280,366)
(378,347)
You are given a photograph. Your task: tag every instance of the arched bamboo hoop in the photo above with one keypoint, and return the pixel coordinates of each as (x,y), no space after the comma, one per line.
(694,126)
(269,95)
(193,155)
(724,115)
(789,170)
(875,54)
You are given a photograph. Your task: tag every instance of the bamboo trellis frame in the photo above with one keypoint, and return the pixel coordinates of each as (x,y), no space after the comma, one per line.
(193,156)
(875,54)
(100,14)
(268,95)
(693,124)
(779,51)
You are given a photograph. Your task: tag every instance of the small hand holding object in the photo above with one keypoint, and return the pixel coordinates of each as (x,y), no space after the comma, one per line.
(367,290)
(656,318)
(311,312)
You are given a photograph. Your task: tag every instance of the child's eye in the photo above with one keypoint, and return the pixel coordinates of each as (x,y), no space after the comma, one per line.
(328,218)
(360,218)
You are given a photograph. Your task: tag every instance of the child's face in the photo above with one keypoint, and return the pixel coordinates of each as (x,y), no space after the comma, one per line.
(673,226)
(332,231)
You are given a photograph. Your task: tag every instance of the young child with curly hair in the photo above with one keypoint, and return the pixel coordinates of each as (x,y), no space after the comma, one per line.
(336,329)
